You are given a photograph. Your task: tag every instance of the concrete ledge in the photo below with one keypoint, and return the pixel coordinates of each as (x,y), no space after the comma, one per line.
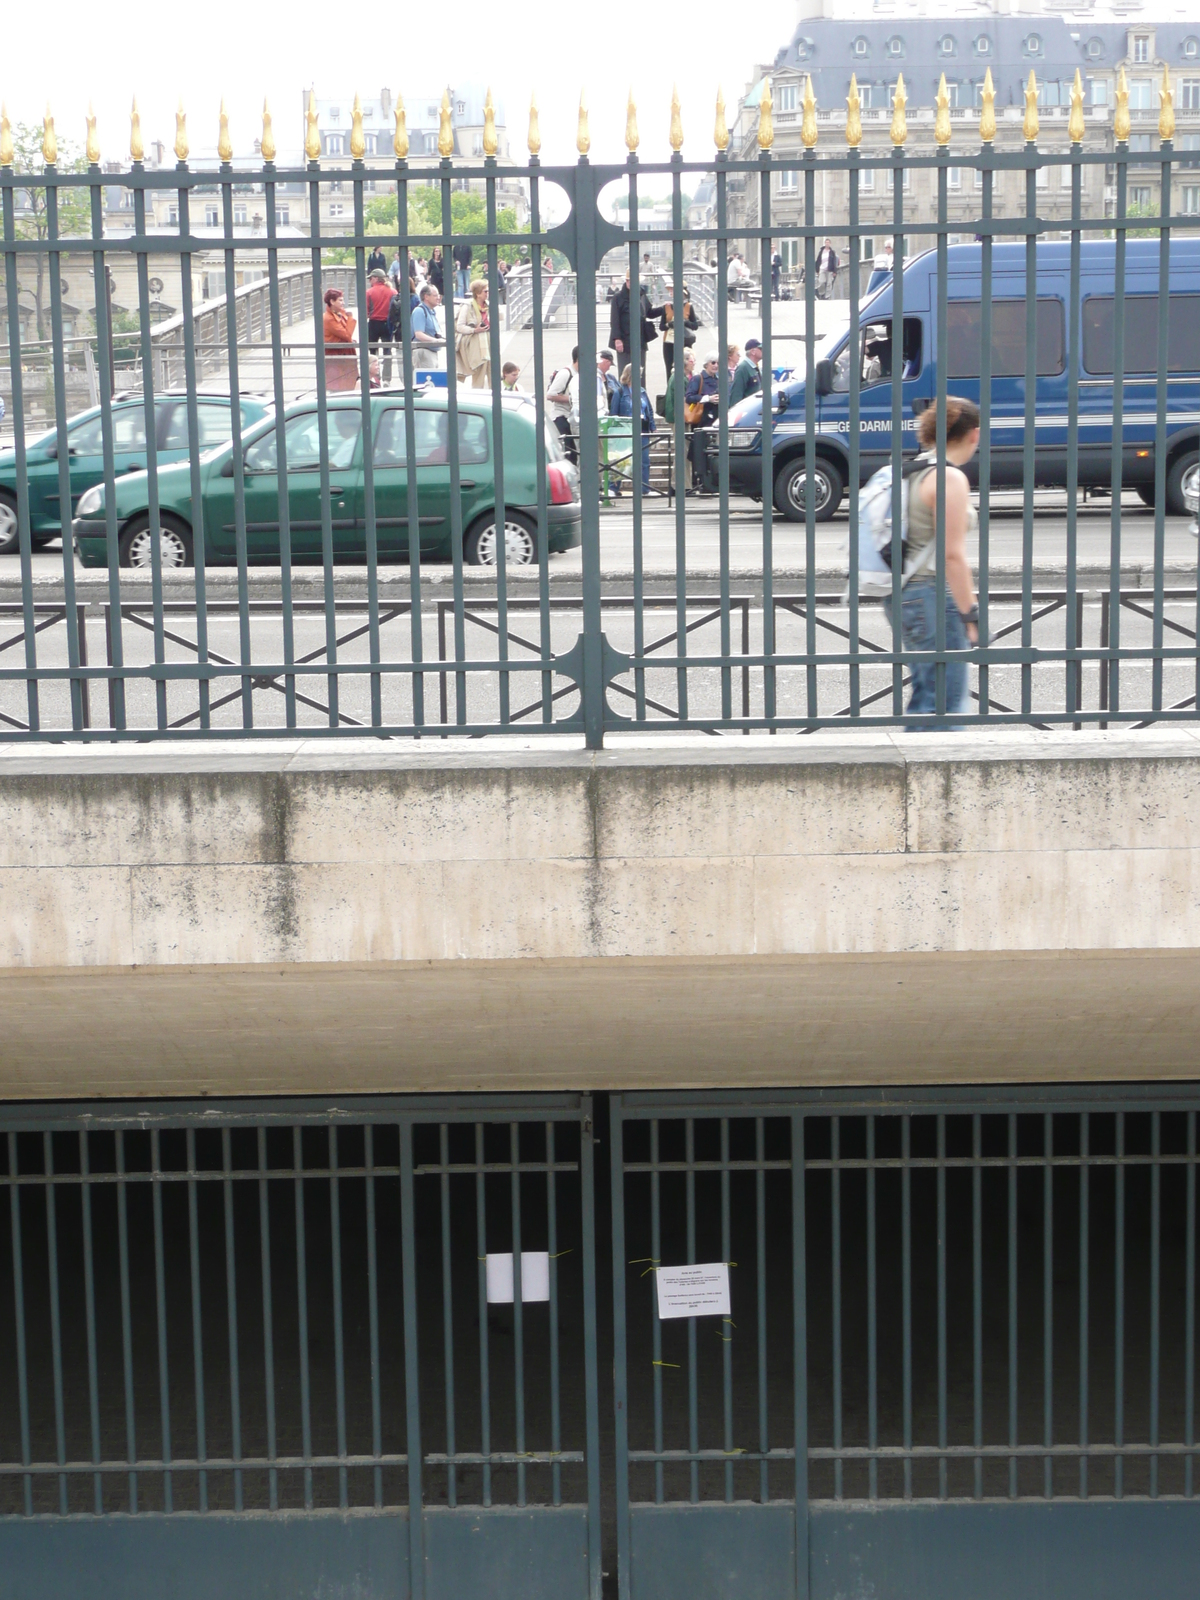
(520,913)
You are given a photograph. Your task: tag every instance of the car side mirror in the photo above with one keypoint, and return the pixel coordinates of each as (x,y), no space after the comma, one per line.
(227,469)
(781,403)
(823,378)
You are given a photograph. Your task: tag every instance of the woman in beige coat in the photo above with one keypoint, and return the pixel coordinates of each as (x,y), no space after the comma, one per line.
(473,342)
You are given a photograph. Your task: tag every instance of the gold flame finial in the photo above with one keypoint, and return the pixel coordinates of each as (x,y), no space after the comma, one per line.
(358,139)
(1076,127)
(854,114)
(7,153)
(137,145)
(1121,114)
(676,121)
(987,113)
(181,139)
(941,123)
(631,128)
(312,137)
(1030,125)
(533,139)
(766,118)
(1166,101)
(445,127)
(267,145)
(899,120)
(808,124)
(721,127)
(491,142)
(583,139)
(92,148)
(49,139)
(224,142)
(400,137)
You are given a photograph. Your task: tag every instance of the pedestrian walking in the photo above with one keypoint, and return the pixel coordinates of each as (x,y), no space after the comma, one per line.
(776,273)
(377,259)
(666,326)
(462,269)
(625,402)
(827,269)
(341,366)
(436,271)
(919,604)
(427,337)
(473,343)
(558,401)
(379,305)
(620,327)
(746,377)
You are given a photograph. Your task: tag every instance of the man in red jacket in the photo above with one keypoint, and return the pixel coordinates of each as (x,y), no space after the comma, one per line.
(379,303)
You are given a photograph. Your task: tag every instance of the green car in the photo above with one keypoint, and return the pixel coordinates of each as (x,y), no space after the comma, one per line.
(85,447)
(524,453)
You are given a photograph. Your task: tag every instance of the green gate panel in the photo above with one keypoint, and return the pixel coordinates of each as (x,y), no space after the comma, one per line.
(1060,1550)
(528,1553)
(712,1552)
(276,1556)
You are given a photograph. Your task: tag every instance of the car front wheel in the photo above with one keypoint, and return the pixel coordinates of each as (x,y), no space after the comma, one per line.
(137,544)
(1183,482)
(480,546)
(791,487)
(9,528)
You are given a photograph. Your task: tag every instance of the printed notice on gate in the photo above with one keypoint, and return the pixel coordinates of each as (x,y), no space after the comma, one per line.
(699,1291)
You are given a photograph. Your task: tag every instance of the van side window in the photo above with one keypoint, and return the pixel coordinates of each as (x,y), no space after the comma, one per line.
(1141,333)
(877,355)
(963,336)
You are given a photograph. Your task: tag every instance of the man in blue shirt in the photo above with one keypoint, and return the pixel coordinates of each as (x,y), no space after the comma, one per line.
(427,336)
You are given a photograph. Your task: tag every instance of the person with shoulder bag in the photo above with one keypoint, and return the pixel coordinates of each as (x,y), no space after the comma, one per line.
(559,399)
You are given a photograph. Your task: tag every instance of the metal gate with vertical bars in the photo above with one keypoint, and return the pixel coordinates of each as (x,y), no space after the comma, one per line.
(251,1350)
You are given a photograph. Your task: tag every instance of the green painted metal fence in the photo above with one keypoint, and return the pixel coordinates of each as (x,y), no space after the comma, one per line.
(1129,422)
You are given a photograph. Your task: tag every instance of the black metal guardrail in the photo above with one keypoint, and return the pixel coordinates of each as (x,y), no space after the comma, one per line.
(45,696)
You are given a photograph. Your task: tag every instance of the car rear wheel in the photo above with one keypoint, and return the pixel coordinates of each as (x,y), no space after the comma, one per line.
(791,489)
(520,541)
(1183,482)
(137,544)
(9,530)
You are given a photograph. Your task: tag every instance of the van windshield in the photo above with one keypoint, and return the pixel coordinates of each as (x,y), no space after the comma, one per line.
(875,345)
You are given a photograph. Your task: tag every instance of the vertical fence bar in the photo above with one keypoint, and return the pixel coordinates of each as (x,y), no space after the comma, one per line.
(71,619)
(60,1442)
(1119,1317)
(197,1319)
(104,362)
(264,1235)
(302,1311)
(320,372)
(545,638)
(485,1387)
(723,376)
(339,1343)
(906,1294)
(677,300)
(514,1135)
(1189,1312)
(24,536)
(552,1248)
(1160,443)
(456,521)
(412,1372)
(760,1238)
(977,1292)
(897,173)
(655,1321)
(1084,1294)
(872,1314)
(279,396)
(235,423)
(941,1298)
(1074,639)
(1012,1302)
(727,1345)
(493,280)
(800,1353)
(987,173)
(448,1314)
(192,386)
(150,415)
(616,1141)
(1155,1287)
(939,521)
(693,1375)
(160,1308)
(767,444)
(853,399)
(636,356)
(1048,1302)
(18,1269)
(1120,154)
(586,256)
(1029,449)
(370,531)
(231,1311)
(810,432)
(835,1241)
(89,1296)
(126,1321)
(591,1361)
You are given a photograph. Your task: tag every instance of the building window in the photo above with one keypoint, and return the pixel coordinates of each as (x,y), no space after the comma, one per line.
(866,183)
(1139,200)
(369,144)
(983,45)
(477,144)
(786,97)
(283,216)
(1095,49)
(1141,48)
(212,217)
(906,183)
(240,214)
(336,186)
(1191,48)
(954,177)
(1191,201)
(1189,98)
(866,247)
(1042,178)
(1033,44)
(864,95)
(804,49)
(1141,95)
(335,113)
(337,209)
(1097,91)
(173,216)
(952,95)
(946,45)
(861,47)
(789,181)
(334,144)
(1064,177)
(895,45)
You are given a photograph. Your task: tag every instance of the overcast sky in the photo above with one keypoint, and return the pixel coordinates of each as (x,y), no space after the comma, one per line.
(74,51)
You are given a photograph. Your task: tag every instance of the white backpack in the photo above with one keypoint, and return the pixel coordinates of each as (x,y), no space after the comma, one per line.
(875,530)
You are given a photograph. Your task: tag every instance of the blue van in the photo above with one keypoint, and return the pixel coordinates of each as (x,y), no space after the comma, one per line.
(1090,347)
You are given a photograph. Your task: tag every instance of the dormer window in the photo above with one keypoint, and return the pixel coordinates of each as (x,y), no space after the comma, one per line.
(1191,48)
(1141,47)
(946,46)
(1095,49)
(895,45)
(804,49)
(983,45)
(1033,45)
(335,113)
(860,46)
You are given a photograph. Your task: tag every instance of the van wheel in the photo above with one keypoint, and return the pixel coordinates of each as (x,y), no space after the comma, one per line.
(1145,493)
(137,543)
(9,528)
(1183,483)
(520,541)
(790,489)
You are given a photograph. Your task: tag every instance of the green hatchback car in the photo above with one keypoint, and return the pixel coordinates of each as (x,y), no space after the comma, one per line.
(523,455)
(85,448)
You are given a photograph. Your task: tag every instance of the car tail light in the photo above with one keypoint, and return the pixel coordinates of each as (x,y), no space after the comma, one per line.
(561,493)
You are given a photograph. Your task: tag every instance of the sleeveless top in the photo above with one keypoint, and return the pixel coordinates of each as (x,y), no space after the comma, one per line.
(922,527)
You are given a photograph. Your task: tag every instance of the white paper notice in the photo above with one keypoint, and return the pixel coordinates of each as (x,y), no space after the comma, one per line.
(699,1291)
(535,1277)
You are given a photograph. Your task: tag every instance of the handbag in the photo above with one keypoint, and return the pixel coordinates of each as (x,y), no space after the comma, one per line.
(693,411)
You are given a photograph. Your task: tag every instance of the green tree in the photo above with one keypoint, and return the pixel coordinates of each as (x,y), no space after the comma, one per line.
(1139,209)
(32,221)
(468,214)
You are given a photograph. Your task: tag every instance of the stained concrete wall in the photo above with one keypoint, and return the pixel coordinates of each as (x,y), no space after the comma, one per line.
(699,911)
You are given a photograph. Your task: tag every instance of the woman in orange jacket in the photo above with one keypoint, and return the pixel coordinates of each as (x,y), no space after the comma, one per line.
(341,365)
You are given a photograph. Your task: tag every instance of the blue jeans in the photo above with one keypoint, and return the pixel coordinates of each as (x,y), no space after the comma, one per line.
(461,277)
(918,628)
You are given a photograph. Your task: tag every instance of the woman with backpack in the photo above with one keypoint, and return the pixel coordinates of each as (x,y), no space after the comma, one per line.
(919,603)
